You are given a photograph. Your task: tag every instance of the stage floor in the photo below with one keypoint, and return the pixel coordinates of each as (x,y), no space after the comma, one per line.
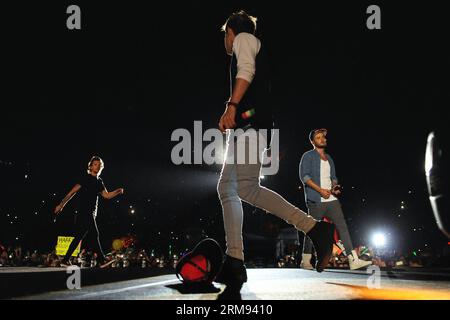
(271,284)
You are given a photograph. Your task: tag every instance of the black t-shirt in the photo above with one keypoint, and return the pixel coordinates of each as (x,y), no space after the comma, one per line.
(91,187)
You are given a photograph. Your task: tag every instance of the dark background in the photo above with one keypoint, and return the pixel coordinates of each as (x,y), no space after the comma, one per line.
(134,73)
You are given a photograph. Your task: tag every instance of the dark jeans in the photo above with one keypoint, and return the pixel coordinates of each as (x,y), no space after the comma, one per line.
(86,227)
(331,210)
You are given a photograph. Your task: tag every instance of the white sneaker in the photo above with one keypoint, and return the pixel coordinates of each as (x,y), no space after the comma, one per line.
(356,263)
(306,262)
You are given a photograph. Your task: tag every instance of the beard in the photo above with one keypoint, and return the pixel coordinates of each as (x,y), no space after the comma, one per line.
(321,146)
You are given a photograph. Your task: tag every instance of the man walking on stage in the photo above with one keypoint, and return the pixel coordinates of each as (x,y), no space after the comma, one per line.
(89,187)
(318,174)
(249,108)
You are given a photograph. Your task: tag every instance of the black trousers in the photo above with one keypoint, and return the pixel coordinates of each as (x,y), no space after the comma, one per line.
(86,229)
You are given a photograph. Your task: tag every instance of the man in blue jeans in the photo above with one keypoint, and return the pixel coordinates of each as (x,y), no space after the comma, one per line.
(318,174)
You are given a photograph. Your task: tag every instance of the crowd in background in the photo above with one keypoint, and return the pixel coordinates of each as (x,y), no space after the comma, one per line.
(14,256)
(124,257)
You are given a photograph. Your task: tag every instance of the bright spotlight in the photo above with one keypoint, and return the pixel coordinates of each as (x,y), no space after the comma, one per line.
(429,156)
(379,240)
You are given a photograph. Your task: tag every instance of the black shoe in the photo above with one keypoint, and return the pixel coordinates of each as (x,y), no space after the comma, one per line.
(322,237)
(231,292)
(233,272)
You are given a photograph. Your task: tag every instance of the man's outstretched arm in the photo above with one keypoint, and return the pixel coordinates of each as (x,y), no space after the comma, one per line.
(110,195)
(67,198)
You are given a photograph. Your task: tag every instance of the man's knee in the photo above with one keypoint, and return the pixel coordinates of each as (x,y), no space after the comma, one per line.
(248,191)
(221,188)
(225,190)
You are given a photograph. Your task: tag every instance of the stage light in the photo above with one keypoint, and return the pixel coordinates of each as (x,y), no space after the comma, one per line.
(429,155)
(379,240)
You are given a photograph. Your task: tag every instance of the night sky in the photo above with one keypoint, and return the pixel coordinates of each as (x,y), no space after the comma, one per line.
(133,74)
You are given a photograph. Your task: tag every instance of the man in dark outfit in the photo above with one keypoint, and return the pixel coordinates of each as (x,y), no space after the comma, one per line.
(89,187)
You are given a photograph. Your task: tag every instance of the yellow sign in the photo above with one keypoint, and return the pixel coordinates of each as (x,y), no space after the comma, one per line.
(63,245)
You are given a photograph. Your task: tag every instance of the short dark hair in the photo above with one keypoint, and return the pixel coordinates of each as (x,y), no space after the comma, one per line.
(240,21)
(314,132)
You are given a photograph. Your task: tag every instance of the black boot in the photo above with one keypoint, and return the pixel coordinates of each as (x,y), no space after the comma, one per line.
(322,237)
(231,292)
(233,272)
